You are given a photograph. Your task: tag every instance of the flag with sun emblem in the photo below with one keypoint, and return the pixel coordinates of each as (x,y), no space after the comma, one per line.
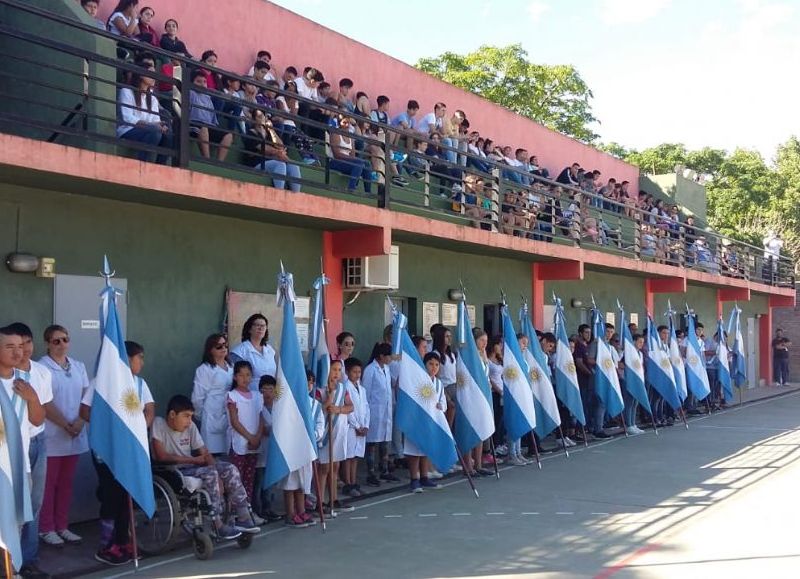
(678,366)
(474,416)
(544,397)
(606,379)
(293,442)
(739,363)
(417,415)
(566,376)
(659,367)
(15,505)
(723,361)
(519,414)
(696,375)
(319,358)
(634,370)
(117,430)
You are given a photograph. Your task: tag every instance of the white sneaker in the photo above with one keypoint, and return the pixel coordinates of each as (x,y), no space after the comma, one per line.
(517,460)
(638,430)
(70,537)
(51,538)
(568,442)
(258,521)
(435,474)
(631,430)
(501,450)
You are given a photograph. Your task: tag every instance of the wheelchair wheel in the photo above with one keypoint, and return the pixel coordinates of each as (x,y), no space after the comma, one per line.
(156,535)
(203,546)
(245,540)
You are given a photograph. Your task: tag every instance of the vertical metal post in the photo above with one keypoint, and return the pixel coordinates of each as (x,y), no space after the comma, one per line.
(184,142)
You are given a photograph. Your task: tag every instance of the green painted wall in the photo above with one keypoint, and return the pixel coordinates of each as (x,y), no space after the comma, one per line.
(687,194)
(177,264)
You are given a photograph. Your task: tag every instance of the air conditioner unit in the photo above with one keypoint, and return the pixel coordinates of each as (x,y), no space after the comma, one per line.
(380,272)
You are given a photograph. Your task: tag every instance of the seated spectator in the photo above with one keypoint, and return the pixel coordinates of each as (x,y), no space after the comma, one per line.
(702,254)
(493,153)
(265,57)
(447,175)
(140,117)
(510,160)
(91,7)
(345,160)
(203,118)
(123,21)
(590,225)
(169,69)
(170,41)
(289,75)
(363,108)
(324,92)
(213,79)
(407,120)
(433,122)
(146,32)
(231,109)
(251,98)
(266,152)
(476,201)
(261,72)
(290,106)
(417,164)
(477,158)
(648,244)
(535,169)
(730,260)
(344,100)
(307,87)
(569,175)
(515,215)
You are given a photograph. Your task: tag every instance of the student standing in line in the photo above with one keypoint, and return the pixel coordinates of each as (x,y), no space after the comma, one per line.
(246,431)
(377,382)
(418,463)
(358,422)
(335,402)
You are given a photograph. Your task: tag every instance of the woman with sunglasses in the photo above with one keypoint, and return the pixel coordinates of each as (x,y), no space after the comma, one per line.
(212,379)
(65,437)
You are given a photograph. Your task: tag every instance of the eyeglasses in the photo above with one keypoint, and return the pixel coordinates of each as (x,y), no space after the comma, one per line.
(59,341)
(220,346)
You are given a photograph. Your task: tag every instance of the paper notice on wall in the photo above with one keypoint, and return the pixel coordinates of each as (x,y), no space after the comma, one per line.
(611,318)
(471,315)
(634,319)
(302,308)
(302,336)
(430,316)
(450,315)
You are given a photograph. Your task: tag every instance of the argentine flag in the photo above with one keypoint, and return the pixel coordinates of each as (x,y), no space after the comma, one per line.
(678,367)
(739,367)
(293,442)
(659,367)
(117,430)
(606,379)
(15,499)
(696,375)
(474,414)
(634,370)
(544,396)
(566,375)
(417,416)
(519,414)
(319,358)
(723,365)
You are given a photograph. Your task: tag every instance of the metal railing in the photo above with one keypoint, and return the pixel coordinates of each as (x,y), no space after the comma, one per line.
(55,88)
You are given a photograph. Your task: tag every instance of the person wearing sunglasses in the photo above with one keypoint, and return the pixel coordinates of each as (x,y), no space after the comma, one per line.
(65,437)
(212,380)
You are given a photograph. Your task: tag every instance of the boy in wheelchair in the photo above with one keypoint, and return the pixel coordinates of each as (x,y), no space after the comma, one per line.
(176,440)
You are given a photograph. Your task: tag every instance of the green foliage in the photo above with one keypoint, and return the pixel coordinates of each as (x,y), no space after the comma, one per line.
(555,96)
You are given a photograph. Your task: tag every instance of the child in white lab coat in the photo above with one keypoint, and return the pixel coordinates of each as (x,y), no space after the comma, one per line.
(358,420)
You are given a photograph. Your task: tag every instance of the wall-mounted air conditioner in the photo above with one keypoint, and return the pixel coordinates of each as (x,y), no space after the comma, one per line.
(380,272)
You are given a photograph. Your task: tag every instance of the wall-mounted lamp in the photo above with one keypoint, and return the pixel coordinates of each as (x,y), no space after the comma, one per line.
(27,263)
(455,295)
(575,303)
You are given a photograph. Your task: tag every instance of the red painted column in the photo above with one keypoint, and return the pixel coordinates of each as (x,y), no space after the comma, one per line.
(550,270)
(765,345)
(537,300)
(334,291)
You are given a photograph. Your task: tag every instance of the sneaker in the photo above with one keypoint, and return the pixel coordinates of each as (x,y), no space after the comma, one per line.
(258,521)
(501,450)
(569,443)
(309,160)
(339,506)
(129,550)
(373,481)
(70,538)
(632,431)
(326,510)
(488,459)
(399,157)
(601,434)
(272,516)
(427,483)
(308,519)
(415,486)
(387,476)
(353,491)
(112,555)
(228,532)
(399,181)
(296,522)
(517,460)
(52,539)
(485,472)
(247,526)
(435,474)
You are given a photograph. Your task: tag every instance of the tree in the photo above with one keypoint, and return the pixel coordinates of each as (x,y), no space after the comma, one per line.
(555,96)
(659,160)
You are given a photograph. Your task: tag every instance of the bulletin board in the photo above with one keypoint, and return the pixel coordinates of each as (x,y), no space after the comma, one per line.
(241,305)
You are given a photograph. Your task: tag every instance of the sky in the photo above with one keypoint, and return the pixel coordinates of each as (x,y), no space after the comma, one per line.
(720,73)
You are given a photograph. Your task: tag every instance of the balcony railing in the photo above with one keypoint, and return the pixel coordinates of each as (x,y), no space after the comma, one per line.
(61,82)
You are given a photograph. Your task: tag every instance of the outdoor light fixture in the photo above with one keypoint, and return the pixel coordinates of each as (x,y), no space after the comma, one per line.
(575,303)
(455,295)
(26,263)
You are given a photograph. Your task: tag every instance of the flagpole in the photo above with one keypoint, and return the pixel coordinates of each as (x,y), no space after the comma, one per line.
(332,483)
(494,457)
(563,442)
(466,471)
(133,535)
(320,496)
(653,420)
(683,417)
(536,451)
(624,425)
(583,432)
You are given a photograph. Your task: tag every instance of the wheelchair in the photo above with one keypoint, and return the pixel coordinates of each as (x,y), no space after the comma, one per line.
(183,507)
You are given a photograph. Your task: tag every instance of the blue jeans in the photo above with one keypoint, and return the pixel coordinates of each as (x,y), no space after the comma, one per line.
(30,531)
(452,156)
(630,407)
(150,135)
(478,164)
(280,169)
(355,168)
(598,412)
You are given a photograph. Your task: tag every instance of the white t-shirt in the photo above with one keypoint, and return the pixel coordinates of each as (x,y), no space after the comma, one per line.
(248,411)
(174,442)
(772,247)
(42,382)
(8,384)
(306,91)
(428,123)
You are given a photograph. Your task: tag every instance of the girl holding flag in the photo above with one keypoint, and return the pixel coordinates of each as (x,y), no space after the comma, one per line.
(335,401)
(417,461)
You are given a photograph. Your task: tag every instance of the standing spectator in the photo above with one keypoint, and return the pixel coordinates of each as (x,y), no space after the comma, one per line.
(170,41)
(146,32)
(123,21)
(65,437)
(452,138)
(91,7)
(773,245)
(212,380)
(255,348)
(140,117)
(203,117)
(780,358)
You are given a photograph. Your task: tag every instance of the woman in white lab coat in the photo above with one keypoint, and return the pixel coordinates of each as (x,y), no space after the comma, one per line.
(212,380)
(256,349)
(377,381)
(65,437)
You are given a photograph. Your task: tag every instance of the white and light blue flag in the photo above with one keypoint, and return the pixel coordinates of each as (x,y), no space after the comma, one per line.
(634,369)
(659,366)
(474,420)
(117,430)
(319,357)
(696,375)
(606,379)
(544,395)
(15,498)
(738,367)
(675,358)
(519,414)
(293,441)
(723,363)
(566,375)
(417,415)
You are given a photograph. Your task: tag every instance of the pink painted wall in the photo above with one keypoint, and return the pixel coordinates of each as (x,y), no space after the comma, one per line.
(236,30)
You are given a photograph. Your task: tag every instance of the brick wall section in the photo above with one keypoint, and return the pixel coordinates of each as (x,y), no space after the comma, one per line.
(789,320)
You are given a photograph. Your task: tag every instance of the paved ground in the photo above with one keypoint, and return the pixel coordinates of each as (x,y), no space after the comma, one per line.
(716,500)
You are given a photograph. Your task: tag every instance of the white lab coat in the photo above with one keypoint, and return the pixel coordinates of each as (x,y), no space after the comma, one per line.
(263,362)
(68,391)
(358,418)
(209,395)
(377,382)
